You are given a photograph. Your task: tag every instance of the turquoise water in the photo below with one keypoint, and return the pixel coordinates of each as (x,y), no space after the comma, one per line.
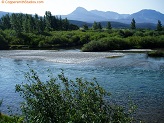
(132,76)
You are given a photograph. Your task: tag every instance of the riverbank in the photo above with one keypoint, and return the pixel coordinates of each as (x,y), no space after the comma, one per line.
(89,40)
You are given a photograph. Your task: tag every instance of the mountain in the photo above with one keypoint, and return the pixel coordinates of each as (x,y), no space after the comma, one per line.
(144,19)
(3,13)
(81,14)
(147,15)
(109,14)
(143,16)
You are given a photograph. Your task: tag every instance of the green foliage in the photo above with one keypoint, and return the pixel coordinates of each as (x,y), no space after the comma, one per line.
(3,41)
(9,119)
(65,101)
(159,26)
(85,27)
(35,24)
(133,24)
(109,26)
(126,33)
(112,39)
(105,44)
(96,26)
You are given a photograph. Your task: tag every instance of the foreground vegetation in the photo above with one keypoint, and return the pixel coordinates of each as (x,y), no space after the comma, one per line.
(60,100)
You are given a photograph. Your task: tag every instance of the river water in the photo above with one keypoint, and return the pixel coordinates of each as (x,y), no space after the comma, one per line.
(128,76)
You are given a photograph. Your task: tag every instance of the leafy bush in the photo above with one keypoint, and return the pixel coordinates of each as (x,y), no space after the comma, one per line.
(105,44)
(65,101)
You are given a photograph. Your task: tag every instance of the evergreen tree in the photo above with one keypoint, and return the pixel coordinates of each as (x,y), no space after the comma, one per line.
(109,26)
(65,24)
(133,24)
(159,26)
(5,22)
(25,24)
(42,25)
(48,19)
(85,27)
(31,24)
(95,26)
(60,23)
(16,23)
(99,26)
(73,27)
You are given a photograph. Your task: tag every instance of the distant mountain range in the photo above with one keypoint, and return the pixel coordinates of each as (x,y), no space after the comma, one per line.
(3,13)
(143,16)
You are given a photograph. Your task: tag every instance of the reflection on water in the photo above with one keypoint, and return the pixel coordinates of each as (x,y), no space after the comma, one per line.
(133,75)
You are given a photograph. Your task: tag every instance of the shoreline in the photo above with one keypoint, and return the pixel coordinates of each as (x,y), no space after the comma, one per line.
(63,56)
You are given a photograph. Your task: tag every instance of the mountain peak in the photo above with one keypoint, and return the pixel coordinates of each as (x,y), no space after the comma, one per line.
(148,11)
(80,9)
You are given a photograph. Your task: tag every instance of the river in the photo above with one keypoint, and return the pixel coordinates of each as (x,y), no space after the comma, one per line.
(128,76)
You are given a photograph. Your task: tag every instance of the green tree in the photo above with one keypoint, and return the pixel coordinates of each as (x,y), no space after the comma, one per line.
(48,20)
(65,24)
(133,24)
(16,22)
(41,25)
(5,22)
(3,42)
(99,26)
(73,27)
(109,26)
(26,24)
(85,27)
(159,26)
(61,100)
(95,25)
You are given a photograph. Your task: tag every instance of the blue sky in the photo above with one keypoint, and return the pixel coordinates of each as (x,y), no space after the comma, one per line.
(63,7)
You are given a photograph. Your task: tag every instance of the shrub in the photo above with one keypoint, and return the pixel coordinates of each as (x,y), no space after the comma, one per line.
(106,44)
(95,46)
(60,100)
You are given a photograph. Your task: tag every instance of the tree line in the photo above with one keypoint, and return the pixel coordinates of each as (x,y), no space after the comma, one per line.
(33,23)
(98,26)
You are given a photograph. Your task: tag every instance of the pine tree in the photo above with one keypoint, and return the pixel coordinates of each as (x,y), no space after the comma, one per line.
(5,22)
(95,26)
(48,19)
(85,26)
(159,26)
(25,24)
(109,26)
(16,22)
(65,24)
(133,24)
(99,26)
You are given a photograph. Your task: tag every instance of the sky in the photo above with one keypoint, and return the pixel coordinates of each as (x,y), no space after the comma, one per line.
(64,7)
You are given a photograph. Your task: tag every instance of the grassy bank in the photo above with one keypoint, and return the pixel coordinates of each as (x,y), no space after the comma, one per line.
(156,53)
(89,40)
